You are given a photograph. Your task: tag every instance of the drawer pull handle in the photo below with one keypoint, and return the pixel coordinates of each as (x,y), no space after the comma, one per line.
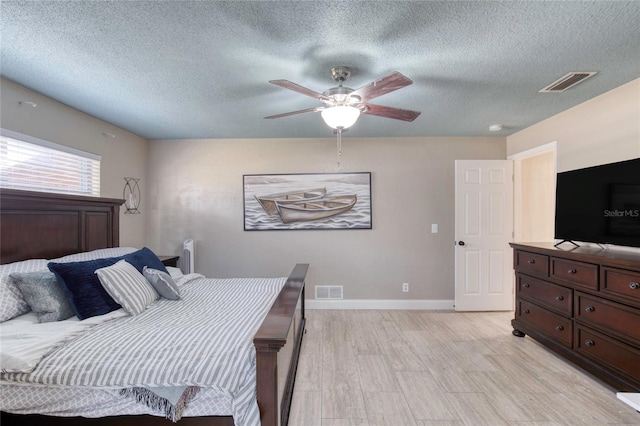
(571,271)
(525,285)
(589,309)
(559,328)
(559,298)
(590,343)
(526,311)
(634,285)
(531,261)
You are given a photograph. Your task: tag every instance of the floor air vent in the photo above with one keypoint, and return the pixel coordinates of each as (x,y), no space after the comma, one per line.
(566,82)
(328,292)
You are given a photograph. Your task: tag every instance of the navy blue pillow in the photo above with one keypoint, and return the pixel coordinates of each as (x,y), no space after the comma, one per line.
(82,287)
(141,258)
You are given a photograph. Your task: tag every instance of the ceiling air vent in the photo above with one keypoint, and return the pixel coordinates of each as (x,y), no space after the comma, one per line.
(566,82)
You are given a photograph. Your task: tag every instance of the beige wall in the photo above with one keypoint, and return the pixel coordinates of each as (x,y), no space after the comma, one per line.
(196,191)
(124,155)
(536,176)
(193,188)
(602,130)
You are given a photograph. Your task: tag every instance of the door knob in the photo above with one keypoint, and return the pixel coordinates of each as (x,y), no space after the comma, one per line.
(460,243)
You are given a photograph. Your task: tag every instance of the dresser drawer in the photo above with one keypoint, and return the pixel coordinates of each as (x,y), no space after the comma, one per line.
(617,319)
(608,351)
(618,282)
(552,325)
(577,273)
(537,264)
(552,296)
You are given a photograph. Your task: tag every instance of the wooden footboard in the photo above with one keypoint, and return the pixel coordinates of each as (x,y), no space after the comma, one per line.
(277,350)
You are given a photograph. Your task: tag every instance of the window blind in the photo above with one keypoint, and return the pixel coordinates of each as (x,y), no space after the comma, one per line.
(37,165)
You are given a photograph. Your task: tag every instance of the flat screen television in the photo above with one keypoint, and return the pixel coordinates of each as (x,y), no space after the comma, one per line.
(600,204)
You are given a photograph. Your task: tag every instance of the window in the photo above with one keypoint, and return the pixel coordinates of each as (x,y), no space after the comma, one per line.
(36,165)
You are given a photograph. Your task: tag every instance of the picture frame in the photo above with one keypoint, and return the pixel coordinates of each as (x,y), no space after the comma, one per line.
(307,201)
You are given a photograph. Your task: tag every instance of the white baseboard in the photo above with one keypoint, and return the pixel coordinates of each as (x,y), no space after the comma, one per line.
(423,304)
(630,398)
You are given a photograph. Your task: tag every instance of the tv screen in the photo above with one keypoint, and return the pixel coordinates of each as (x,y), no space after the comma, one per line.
(600,204)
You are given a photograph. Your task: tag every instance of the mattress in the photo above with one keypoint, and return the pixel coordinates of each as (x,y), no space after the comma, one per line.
(172,343)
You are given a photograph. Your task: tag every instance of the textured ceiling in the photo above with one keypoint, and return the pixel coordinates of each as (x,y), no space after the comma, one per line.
(182,69)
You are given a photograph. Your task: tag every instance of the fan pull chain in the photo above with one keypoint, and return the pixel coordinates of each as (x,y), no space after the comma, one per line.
(339,153)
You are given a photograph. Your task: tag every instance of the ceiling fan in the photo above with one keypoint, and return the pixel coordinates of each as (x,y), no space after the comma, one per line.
(343,105)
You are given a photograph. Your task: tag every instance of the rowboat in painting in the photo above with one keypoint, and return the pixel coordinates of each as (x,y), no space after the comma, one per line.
(306,210)
(268,202)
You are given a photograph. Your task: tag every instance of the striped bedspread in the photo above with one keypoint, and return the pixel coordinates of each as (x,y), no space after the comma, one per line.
(205,339)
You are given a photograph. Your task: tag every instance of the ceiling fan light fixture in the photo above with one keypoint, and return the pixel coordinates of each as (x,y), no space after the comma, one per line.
(340,116)
(353,99)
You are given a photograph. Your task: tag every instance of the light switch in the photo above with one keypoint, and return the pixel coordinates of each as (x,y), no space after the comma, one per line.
(434,228)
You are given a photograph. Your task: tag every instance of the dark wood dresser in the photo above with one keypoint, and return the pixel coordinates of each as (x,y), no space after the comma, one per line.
(584,304)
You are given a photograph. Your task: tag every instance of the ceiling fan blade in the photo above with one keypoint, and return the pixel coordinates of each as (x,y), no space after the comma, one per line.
(393,81)
(300,89)
(391,112)
(301,111)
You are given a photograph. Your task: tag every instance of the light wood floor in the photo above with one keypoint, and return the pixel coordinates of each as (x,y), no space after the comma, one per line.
(401,368)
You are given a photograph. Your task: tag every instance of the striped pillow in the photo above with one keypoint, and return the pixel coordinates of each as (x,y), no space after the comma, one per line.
(162,282)
(127,286)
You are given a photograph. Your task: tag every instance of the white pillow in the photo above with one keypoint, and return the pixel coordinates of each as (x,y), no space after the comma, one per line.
(12,304)
(95,254)
(127,286)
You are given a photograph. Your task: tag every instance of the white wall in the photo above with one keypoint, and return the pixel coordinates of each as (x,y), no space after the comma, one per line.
(196,191)
(124,155)
(602,130)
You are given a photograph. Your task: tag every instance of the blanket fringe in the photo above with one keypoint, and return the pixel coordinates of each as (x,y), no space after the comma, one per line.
(155,402)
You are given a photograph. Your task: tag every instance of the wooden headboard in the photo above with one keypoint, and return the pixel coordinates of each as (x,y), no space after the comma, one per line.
(38,225)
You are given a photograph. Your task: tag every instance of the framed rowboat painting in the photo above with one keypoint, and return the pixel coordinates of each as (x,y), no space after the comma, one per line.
(307,201)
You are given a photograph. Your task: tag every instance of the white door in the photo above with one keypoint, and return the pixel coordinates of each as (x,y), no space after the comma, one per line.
(484,227)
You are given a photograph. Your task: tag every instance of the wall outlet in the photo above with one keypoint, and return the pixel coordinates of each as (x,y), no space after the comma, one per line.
(405,287)
(434,228)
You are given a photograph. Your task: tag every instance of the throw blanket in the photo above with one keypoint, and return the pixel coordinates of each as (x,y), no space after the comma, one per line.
(172,401)
(205,340)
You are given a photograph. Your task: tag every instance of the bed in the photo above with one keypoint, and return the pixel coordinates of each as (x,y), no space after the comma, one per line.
(47,226)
